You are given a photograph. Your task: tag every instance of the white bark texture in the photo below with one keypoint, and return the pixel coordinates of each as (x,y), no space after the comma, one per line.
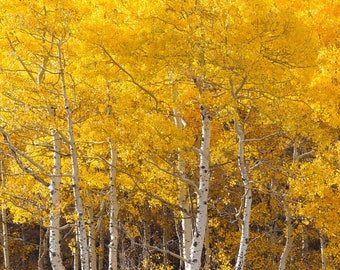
(186,218)
(290,229)
(101,247)
(84,254)
(92,239)
(4,224)
(202,196)
(289,236)
(54,235)
(76,251)
(114,209)
(244,242)
(207,263)
(186,222)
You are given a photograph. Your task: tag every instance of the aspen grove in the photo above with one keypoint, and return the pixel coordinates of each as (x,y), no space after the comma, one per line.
(170,134)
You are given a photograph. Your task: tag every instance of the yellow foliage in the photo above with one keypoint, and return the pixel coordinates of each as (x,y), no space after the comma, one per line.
(130,66)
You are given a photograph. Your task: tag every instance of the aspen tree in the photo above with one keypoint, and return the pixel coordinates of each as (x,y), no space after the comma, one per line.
(199,230)
(4,227)
(113,210)
(81,229)
(183,196)
(92,234)
(54,234)
(247,197)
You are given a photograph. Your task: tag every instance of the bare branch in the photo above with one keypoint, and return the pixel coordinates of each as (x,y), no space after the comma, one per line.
(165,251)
(261,138)
(179,176)
(131,77)
(304,155)
(29,72)
(16,153)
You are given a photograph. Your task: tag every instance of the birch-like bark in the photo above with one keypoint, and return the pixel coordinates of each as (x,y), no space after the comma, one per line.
(202,195)
(84,254)
(92,239)
(101,248)
(289,236)
(76,250)
(244,242)
(186,218)
(207,249)
(289,230)
(186,223)
(114,209)
(165,239)
(146,244)
(323,244)
(54,235)
(304,246)
(4,223)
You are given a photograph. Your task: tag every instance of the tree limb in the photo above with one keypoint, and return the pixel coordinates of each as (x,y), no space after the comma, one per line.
(130,76)
(16,153)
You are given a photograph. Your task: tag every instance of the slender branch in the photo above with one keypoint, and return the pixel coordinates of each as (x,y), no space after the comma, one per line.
(63,137)
(130,76)
(15,152)
(160,250)
(180,177)
(152,195)
(66,226)
(304,155)
(261,138)
(20,60)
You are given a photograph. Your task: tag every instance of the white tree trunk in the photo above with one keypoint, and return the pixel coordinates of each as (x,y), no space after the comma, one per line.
(101,248)
(146,240)
(186,218)
(76,250)
(54,235)
(323,244)
(244,242)
(84,254)
(186,222)
(4,224)
(92,239)
(289,236)
(290,229)
(207,249)
(202,196)
(114,209)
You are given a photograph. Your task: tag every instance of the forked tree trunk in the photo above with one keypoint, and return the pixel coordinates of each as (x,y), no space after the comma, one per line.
(54,234)
(4,223)
(202,195)
(84,254)
(114,209)
(244,242)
